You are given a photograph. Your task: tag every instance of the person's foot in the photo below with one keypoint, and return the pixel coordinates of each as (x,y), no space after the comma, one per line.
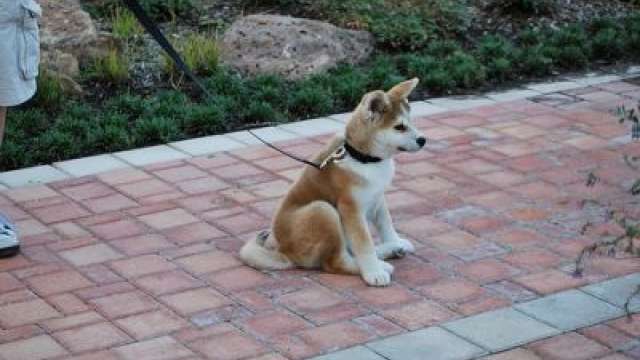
(9,244)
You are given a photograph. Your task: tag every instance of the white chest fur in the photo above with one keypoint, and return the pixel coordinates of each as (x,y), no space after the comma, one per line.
(374,179)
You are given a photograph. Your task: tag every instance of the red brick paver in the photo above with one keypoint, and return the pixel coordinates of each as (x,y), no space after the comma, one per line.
(142,264)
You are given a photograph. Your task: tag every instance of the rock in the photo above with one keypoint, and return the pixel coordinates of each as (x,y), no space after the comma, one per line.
(66,28)
(60,62)
(291,47)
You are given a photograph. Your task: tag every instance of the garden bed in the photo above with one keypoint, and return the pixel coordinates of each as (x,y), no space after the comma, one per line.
(133,98)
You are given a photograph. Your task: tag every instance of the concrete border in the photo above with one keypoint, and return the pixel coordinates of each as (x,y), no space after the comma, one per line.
(208,145)
(499,330)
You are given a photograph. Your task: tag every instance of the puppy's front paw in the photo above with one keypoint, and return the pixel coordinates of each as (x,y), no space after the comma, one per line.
(386,267)
(403,247)
(395,249)
(378,277)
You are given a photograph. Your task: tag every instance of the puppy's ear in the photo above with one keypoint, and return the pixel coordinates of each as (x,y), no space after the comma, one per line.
(374,104)
(402,90)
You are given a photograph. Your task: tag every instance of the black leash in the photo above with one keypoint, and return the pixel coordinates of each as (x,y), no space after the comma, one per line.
(154,31)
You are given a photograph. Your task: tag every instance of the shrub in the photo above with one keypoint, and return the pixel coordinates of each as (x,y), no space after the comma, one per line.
(398,24)
(155,130)
(113,67)
(199,52)
(535,61)
(417,65)
(632,29)
(309,99)
(50,93)
(569,47)
(497,54)
(608,43)
(124,24)
(442,48)
(535,7)
(259,111)
(203,119)
(168,10)
(383,73)
(438,80)
(465,70)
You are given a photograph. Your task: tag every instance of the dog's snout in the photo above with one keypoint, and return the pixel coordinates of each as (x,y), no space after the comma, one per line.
(421,141)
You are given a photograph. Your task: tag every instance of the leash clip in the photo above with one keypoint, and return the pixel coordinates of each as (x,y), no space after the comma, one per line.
(336,157)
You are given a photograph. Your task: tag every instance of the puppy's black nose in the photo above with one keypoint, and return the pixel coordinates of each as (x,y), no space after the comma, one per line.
(421,141)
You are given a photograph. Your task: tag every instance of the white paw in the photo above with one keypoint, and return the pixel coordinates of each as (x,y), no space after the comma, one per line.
(405,246)
(395,249)
(386,267)
(378,277)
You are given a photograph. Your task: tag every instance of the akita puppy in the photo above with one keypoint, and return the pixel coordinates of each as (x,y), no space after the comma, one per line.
(323,220)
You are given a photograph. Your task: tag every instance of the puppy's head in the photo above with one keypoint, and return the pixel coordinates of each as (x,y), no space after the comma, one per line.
(381,124)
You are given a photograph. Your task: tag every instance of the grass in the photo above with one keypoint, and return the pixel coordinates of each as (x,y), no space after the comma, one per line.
(124,25)
(199,52)
(113,67)
(55,126)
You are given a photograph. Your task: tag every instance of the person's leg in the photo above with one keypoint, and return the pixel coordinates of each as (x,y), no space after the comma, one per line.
(9,244)
(3,118)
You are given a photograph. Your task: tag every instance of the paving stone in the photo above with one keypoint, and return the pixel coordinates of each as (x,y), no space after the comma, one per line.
(501,329)
(168,282)
(31,176)
(273,324)
(358,352)
(142,265)
(151,324)
(430,343)
(514,354)
(551,87)
(28,312)
(422,108)
(570,346)
(418,315)
(271,134)
(137,245)
(91,165)
(58,282)
(35,348)
(569,310)
(314,127)
(617,291)
(207,145)
(460,102)
(161,348)
(228,346)
(91,254)
(208,262)
(91,337)
(124,304)
(150,155)
(167,219)
(193,301)
(510,95)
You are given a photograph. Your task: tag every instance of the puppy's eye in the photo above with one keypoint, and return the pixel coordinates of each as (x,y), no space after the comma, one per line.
(400,127)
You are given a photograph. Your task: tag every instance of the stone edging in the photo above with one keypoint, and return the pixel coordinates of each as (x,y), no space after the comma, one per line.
(236,140)
(503,329)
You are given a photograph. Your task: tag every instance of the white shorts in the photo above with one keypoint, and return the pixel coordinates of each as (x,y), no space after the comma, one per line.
(19,50)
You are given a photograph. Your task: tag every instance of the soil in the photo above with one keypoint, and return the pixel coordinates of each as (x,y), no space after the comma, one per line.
(487,18)
(214,16)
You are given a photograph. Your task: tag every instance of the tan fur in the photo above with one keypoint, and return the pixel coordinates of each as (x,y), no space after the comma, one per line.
(320,218)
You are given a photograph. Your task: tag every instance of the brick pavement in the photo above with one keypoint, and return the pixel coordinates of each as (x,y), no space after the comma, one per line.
(141,263)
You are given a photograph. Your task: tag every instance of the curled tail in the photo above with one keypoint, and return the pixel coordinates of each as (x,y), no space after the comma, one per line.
(255,254)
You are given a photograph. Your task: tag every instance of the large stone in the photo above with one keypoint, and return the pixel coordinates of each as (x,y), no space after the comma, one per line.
(291,47)
(66,27)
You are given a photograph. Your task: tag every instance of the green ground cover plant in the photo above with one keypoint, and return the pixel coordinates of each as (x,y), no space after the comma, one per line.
(55,125)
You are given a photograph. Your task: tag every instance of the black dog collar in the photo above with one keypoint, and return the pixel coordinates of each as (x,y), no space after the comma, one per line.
(363,158)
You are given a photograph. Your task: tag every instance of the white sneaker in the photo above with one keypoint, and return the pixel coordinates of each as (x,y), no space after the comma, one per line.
(9,244)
